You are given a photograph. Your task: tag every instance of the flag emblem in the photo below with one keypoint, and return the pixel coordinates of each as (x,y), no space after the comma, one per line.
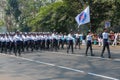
(82,17)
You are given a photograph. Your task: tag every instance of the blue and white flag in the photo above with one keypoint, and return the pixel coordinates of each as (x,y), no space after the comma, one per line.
(83,17)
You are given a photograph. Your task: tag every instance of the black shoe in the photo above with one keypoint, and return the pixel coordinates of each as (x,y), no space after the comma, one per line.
(15,54)
(109,57)
(20,56)
(102,56)
(67,52)
(92,55)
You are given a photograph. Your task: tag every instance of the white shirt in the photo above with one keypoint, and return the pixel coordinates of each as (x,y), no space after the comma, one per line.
(69,37)
(77,35)
(17,38)
(2,39)
(89,38)
(11,38)
(54,36)
(105,35)
(7,38)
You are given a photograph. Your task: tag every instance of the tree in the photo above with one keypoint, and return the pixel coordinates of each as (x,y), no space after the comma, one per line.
(58,16)
(29,9)
(14,9)
(1,23)
(115,18)
(12,14)
(47,15)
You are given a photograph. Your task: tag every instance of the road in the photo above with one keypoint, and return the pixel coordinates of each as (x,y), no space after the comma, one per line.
(51,65)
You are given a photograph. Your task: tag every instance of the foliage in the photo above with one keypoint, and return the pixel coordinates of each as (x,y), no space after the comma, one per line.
(58,16)
(106,10)
(100,14)
(1,23)
(47,15)
(13,9)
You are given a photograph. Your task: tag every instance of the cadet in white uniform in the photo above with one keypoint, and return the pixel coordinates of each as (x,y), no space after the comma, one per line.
(43,41)
(11,43)
(89,43)
(55,41)
(7,43)
(3,42)
(71,42)
(105,43)
(48,41)
(77,40)
(18,40)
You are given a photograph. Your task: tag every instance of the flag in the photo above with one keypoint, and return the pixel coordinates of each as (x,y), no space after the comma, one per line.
(83,17)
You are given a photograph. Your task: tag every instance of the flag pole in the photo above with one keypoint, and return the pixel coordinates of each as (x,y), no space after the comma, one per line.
(90,26)
(90,4)
(78,26)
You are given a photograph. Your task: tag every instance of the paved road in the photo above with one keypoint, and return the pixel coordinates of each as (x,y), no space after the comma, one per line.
(48,65)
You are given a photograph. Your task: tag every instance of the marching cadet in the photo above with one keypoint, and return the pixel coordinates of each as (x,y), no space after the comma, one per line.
(55,41)
(83,39)
(24,37)
(38,40)
(0,40)
(51,41)
(89,43)
(18,40)
(3,43)
(77,36)
(65,40)
(27,41)
(7,43)
(58,40)
(105,43)
(32,41)
(71,41)
(61,41)
(35,38)
(48,41)
(43,41)
(22,41)
(12,46)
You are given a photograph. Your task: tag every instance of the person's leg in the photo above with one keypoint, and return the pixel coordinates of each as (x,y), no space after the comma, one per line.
(108,49)
(79,43)
(68,47)
(91,50)
(103,50)
(87,46)
(72,47)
